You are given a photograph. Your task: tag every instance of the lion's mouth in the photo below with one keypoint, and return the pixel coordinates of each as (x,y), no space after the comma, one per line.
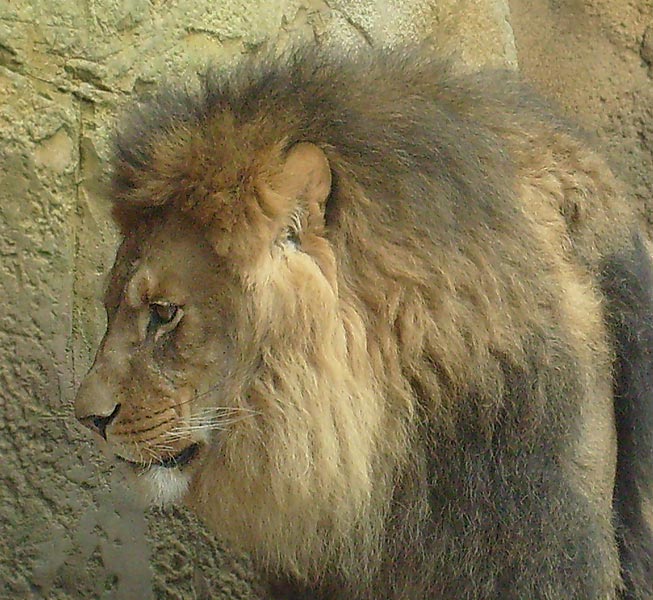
(176,461)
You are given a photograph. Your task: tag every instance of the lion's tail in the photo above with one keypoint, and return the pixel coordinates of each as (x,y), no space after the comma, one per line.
(628,286)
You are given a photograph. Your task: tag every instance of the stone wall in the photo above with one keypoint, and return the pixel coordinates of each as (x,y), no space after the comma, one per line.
(66,70)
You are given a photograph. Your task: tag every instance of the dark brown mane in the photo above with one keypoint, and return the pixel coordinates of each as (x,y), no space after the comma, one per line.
(400,124)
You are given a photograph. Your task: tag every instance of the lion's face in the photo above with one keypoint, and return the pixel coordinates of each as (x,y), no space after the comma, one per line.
(239,383)
(150,393)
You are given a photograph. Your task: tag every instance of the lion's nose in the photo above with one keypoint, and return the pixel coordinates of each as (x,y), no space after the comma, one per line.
(95,404)
(99,423)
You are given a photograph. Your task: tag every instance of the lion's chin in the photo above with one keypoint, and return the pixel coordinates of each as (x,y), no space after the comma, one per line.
(164,481)
(161,486)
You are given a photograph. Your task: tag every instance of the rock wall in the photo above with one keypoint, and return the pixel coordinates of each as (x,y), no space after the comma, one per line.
(66,70)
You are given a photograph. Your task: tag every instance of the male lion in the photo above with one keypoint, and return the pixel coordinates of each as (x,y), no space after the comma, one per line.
(388,329)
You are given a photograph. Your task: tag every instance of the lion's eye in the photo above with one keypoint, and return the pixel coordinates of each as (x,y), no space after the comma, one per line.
(164,317)
(163,313)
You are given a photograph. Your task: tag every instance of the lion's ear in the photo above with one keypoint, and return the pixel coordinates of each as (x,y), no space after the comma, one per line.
(305,175)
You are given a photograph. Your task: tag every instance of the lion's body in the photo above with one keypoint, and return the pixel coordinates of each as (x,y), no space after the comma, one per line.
(412,355)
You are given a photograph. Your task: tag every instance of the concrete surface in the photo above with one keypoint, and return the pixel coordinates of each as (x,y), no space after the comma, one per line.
(69,530)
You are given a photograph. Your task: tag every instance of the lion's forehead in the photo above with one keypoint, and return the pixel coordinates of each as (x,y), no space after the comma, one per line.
(174,238)
(177,256)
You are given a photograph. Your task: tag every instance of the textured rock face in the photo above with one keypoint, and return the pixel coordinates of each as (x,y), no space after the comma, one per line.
(66,69)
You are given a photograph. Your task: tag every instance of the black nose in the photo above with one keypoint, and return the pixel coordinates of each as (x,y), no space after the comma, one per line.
(99,423)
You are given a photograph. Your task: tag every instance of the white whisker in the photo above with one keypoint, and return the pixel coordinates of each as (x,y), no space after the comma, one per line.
(197,423)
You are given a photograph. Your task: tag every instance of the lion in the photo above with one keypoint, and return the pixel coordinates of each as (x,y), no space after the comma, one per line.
(385,327)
